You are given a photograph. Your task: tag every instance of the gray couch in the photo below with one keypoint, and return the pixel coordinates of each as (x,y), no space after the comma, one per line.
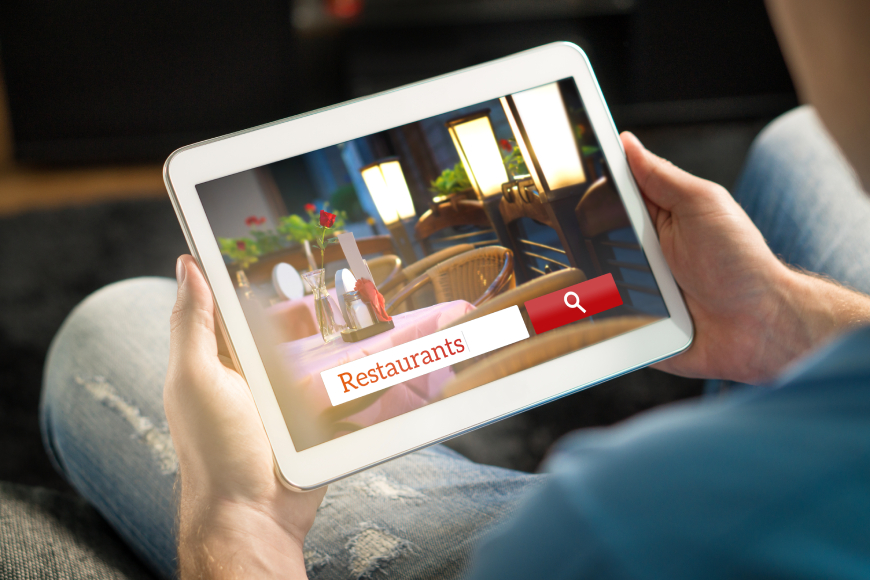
(46,534)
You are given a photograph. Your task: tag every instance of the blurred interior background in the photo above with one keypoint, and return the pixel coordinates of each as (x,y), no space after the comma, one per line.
(95,95)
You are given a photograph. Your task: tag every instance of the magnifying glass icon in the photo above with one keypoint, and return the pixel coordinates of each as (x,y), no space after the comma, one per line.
(575,303)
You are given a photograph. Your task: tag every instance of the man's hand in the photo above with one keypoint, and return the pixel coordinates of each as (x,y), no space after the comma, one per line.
(753,315)
(235,517)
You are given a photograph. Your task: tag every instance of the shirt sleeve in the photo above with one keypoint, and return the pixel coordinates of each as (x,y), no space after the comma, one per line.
(770,482)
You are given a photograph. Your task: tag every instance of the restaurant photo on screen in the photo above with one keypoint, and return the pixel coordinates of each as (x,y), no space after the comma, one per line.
(395,270)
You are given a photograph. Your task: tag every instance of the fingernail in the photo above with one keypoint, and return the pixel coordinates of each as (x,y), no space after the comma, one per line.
(634,138)
(180,271)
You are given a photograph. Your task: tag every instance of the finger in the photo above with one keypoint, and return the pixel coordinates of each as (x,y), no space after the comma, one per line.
(663,183)
(192,331)
(652,208)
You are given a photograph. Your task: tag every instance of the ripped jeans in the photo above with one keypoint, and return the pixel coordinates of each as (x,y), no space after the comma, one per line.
(105,428)
(418,516)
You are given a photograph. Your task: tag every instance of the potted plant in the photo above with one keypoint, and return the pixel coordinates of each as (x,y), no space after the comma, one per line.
(291,232)
(452,181)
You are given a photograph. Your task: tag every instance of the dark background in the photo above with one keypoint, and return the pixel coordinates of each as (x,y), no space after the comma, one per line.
(105,81)
(94,83)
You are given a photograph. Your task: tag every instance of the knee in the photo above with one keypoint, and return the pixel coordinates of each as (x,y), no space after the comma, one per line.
(785,136)
(116,308)
(791,140)
(792,146)
(93,339)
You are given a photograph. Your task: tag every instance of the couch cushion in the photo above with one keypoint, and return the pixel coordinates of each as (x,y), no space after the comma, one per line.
(45,534)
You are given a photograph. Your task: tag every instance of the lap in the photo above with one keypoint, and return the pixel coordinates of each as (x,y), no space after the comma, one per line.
(417,516)
(105,428)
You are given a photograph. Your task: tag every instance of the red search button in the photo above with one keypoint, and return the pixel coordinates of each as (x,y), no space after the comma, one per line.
(573,303)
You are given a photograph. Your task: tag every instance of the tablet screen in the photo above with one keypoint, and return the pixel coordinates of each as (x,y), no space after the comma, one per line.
(390,272)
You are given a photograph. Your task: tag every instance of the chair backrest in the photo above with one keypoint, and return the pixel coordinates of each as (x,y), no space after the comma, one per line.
(425,296)
(385,268)
(471,275)
(534,257)
(453,221)
(421,266)
(600,210)
(475,276)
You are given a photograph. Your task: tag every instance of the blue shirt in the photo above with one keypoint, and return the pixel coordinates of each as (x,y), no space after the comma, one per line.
(770,483)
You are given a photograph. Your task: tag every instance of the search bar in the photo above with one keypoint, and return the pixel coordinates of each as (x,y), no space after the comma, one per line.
(573,303)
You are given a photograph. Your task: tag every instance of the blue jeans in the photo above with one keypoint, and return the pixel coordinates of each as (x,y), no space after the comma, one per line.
(418,516)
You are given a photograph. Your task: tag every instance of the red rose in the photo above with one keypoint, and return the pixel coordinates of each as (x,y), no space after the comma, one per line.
(250,220)
(241,245)
(261,221)
(506,145)
(310,207)
(327,219)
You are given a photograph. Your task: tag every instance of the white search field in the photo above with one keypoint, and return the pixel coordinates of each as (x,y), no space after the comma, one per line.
(424,355)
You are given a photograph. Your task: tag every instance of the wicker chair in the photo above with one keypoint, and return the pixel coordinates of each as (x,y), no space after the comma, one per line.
(598,212)
(538,350)
(476,276)
(424,298)
(452,221)
(385,269)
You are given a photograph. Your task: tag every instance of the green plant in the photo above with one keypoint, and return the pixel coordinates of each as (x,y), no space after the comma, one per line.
(292,228)
(451,180)
(296,229)
(513,158)
(242,251)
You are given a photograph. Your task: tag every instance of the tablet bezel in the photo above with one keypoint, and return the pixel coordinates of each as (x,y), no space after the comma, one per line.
(324,463)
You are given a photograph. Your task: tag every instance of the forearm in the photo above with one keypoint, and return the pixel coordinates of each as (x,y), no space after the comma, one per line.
(813,310)
(222,541)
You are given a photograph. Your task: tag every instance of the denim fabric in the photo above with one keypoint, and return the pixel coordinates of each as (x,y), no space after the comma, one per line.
(104,427)
(418,516)
(102,412)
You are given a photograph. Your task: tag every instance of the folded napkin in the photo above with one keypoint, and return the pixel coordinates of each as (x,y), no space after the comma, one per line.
(370,295)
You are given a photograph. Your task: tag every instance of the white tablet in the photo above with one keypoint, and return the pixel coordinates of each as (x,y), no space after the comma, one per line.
(500,222)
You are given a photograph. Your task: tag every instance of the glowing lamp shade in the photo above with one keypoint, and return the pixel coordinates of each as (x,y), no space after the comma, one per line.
(539,116)
(475,141)
(389,190)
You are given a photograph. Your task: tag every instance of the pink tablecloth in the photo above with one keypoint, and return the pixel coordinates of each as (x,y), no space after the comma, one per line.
(308,357)
(297,319)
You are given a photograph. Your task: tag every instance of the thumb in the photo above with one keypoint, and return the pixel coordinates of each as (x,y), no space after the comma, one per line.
(662,182)
(192,332)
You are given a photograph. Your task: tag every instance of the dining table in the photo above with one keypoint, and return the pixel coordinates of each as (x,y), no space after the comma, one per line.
(307,357)
(297,318)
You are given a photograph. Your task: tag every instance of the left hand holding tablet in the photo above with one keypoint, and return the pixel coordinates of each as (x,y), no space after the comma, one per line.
(235,516)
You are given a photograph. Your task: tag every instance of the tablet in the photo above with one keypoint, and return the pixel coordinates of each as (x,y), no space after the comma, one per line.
(494,213)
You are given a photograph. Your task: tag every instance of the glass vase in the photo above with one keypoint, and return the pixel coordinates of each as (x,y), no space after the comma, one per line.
(323,305)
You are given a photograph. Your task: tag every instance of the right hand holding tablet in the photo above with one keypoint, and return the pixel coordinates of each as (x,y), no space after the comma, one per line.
(753,314)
